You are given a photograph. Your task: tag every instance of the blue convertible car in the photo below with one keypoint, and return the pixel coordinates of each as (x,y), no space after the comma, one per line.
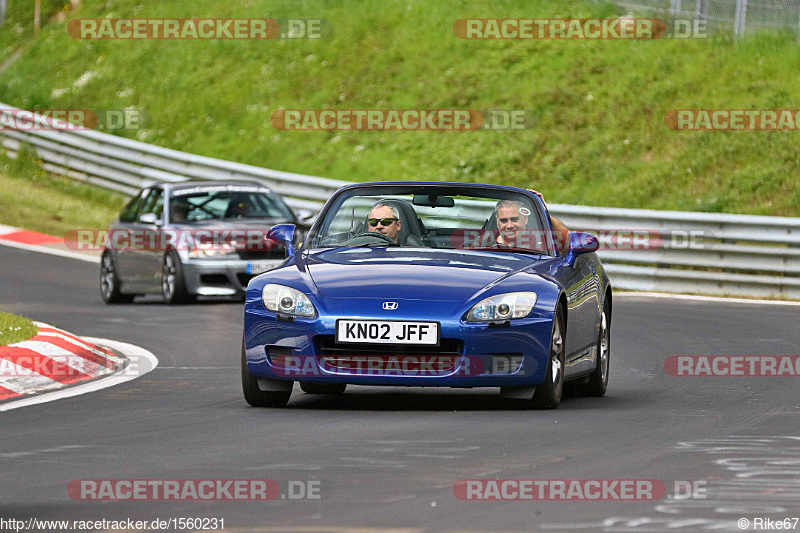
(430,284)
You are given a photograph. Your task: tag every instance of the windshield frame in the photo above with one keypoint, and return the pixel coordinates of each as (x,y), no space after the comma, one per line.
(288,214)
(499,192)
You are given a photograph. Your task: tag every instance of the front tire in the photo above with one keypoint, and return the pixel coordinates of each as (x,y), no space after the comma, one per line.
(109,282)
(598,380)
(173,284)
(548,393)
(254,395)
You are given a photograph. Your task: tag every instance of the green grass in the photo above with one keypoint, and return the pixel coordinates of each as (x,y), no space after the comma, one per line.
(18,26)
(15,328)
(599,137)
(34,199)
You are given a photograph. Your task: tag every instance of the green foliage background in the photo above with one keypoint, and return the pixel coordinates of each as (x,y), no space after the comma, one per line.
(599,136)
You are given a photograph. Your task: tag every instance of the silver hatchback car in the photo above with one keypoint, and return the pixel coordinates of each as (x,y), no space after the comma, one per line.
(193,239)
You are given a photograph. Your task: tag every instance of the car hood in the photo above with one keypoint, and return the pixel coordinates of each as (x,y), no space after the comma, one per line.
(410,274)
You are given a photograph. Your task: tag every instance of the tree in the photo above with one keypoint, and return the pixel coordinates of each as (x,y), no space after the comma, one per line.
(37,11)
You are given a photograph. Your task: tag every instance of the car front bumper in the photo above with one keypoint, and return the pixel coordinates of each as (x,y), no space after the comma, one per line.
(468,355)
(220,277)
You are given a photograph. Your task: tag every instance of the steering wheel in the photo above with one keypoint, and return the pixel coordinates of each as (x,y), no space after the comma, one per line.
(363,238)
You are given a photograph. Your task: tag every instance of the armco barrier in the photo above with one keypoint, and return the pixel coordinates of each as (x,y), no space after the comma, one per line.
(728,255)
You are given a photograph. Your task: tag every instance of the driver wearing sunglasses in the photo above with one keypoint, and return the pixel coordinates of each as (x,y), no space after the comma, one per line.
(384,219)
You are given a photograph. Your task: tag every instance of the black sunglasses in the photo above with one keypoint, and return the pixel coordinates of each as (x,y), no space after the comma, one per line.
(383,221)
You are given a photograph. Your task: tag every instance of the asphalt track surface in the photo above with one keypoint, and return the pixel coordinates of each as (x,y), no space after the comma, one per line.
(388,458)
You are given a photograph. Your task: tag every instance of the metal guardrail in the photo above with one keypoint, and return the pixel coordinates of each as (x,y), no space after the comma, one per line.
(697,252)
(709,253)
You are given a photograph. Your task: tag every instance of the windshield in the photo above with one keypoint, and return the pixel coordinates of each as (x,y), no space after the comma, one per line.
(442,217)
(226,202)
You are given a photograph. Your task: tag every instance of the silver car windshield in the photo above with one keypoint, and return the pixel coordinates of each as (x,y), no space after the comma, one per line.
(194,205)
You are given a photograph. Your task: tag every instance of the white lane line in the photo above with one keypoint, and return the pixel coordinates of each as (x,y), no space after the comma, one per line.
(52,251)
(705,298)
(141,362)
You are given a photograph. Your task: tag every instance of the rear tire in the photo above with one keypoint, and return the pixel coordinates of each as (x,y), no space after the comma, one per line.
(598,380)
(109,282)
(548,393)
(173,284)
(254,395)
(322,388)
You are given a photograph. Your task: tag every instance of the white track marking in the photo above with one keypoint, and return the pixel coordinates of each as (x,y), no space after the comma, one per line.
(79,344)
(65,357)
(22,380)
(52,251)
(720,299)
(141,362)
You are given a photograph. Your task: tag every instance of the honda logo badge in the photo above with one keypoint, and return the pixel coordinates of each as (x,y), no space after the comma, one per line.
(389,306)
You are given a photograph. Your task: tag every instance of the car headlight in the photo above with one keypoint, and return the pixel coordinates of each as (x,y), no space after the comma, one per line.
(286,300)
(503,307)
(210,251)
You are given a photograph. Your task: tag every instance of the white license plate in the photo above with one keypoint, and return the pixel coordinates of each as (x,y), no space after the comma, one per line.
(387,332)
(262,266)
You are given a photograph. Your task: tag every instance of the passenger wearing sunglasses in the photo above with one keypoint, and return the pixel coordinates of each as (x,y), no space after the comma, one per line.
(384,219)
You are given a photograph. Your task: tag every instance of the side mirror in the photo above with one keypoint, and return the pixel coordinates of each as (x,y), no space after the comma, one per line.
(150,218)
(283,234)
(581,243)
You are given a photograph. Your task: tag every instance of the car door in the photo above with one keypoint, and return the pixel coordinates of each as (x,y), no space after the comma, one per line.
(120,238)
(152,253)
(583,297)
(143,258)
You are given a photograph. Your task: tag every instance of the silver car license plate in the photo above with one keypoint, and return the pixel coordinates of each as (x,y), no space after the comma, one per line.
(258,267)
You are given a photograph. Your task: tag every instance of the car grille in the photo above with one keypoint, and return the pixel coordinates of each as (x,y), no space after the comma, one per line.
(276,252)
(371,359)
(214,279)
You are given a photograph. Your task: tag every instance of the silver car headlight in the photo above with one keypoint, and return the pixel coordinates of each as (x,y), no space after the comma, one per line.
(211,251)
(503,307)
(286,300)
